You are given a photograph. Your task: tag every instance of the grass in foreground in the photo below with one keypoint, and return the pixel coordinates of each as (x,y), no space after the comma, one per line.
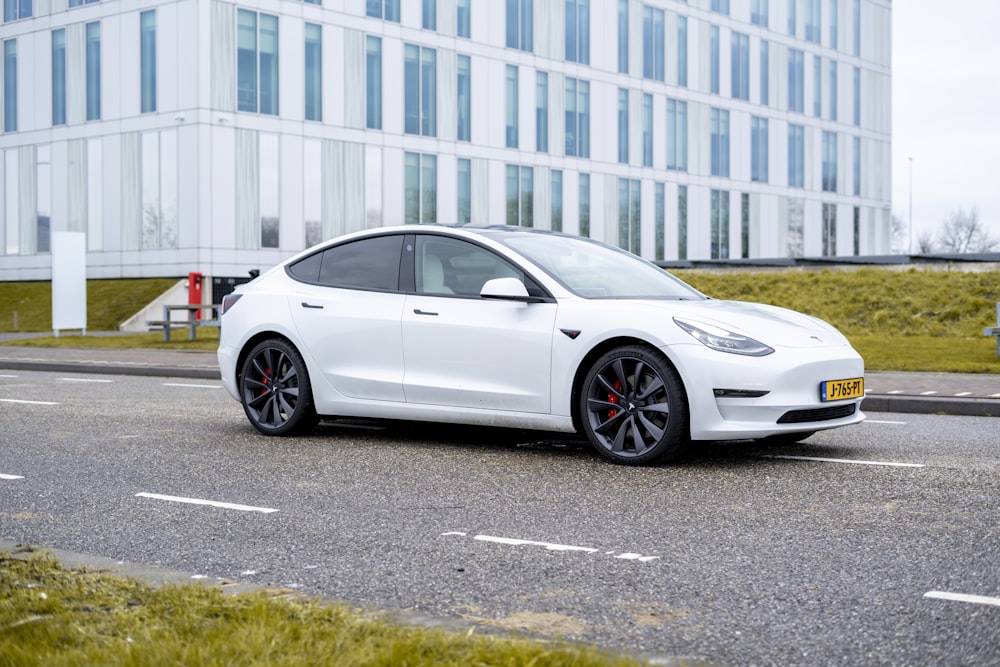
(52,616)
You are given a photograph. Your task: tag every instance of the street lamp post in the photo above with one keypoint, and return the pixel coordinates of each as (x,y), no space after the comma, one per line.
(910,244)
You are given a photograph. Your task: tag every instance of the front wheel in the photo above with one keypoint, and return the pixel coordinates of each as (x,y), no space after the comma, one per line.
(275,390)
(633,406)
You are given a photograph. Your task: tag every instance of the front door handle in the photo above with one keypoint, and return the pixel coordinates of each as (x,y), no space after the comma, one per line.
(309,305)
(417,311)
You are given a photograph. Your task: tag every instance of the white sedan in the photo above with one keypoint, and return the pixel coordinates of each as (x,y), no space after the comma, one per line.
(514,327)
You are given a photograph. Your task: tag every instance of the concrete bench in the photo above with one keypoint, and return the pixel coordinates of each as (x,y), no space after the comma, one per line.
(192,323)
(994,331)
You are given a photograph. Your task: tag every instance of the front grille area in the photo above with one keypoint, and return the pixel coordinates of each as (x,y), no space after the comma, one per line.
(818,414)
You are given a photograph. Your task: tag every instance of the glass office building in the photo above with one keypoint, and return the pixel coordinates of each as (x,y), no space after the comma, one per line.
(218,137)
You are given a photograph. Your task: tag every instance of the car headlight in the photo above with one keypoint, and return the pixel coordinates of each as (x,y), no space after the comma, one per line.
(722,340)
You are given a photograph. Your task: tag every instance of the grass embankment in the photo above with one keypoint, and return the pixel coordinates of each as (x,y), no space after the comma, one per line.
(52,616)
(911,320)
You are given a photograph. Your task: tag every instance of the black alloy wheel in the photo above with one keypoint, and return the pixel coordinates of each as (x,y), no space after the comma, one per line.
(634,407)
(275,389)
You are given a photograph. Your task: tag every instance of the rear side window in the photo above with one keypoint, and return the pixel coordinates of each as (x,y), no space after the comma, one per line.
(371,263)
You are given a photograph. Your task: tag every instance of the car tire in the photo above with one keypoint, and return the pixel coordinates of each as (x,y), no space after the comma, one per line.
(275,389)
(633,407)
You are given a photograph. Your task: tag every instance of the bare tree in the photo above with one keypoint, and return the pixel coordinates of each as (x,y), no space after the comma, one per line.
(963,232)
(925,243)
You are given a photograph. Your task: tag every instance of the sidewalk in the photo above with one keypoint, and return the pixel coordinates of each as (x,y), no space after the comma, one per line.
(930,393)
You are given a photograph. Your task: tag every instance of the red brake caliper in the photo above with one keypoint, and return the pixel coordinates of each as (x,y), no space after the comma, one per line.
(614,399)
(265,380)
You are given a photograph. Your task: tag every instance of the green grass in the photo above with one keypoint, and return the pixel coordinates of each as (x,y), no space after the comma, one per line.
(207,339)
(53,616)
(913,319)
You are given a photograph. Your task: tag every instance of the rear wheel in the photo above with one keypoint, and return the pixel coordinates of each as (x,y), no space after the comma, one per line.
(275,390)
(633,406)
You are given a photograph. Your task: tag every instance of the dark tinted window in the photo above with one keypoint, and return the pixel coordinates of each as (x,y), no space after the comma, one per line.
(367,264)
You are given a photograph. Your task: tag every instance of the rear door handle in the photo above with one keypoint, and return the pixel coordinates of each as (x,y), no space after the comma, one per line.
(309,305)
(417,311)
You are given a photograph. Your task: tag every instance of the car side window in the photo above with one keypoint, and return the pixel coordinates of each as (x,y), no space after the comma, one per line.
(452,266)
(371,264)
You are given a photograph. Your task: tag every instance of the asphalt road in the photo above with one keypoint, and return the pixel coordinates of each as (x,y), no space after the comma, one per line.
(735,556)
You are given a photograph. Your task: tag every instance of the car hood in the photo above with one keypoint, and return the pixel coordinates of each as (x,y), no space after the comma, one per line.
(771,325)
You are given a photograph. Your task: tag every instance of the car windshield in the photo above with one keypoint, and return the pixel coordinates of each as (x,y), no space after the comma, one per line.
(598,271)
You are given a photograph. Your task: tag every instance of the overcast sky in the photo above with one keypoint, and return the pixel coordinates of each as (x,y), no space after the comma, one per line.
(946,110)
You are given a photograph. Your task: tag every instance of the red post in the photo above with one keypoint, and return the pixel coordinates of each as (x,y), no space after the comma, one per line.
(195,281)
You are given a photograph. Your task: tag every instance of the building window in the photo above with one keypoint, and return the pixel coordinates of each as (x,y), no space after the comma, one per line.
(817,86)
(796,80)
(463,26)
(557,200)
(682,51)
(510,124)
(429,15)
(519,24)
(464,189)
(796,156)
(623,125)
(796,236)
(420,90)
(520,196)
(829,161)
(740,66)
(721,6)
(577,117)
(857,96)
(713,59)
(856,16)
(623,36)
(147,58)
(682,222)
(373,83)
(14,10)
(630,215)
(829,230)
(420,188)
(833,24)
(647,130)
(813,21)
(720,142)
(758,149)
(857,230)
(833,90)
(584,205)
(94,71)
(383,9)
(857,166)
(765,72)
(269,204)
(542,112)
(720,224)
(10,85)
(578,31)
(791,17)
(80,3)
(758,12)
(652,43)
(677,134)
(257,91)
(659,221)
(464,98)
(314,71)
(745,225)
(59,77)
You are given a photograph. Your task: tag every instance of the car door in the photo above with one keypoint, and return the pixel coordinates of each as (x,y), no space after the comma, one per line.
(348,311)
(462,350)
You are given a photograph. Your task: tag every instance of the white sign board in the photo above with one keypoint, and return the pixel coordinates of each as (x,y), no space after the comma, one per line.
(69,281)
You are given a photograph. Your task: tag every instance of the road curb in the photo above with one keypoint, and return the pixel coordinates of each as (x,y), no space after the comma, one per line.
(190,372)
(941,405)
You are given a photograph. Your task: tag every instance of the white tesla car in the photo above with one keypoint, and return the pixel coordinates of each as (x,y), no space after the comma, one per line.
(514,327)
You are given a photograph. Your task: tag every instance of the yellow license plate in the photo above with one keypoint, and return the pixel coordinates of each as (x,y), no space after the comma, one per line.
(839,390)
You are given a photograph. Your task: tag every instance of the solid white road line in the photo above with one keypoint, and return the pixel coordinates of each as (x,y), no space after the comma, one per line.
(14,400)
(962,597)
(10,376)
(86,380)
(2,476)
(213,503)
(882,421)
(193,386)
(865,463)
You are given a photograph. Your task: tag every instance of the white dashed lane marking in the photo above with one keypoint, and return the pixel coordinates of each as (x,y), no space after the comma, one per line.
(851,461)
(192,386)
(2,476)
(211,503)
(962,597)
(14,400)
(551,546)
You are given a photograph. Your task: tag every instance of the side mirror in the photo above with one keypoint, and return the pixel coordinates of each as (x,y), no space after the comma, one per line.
(508,289)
